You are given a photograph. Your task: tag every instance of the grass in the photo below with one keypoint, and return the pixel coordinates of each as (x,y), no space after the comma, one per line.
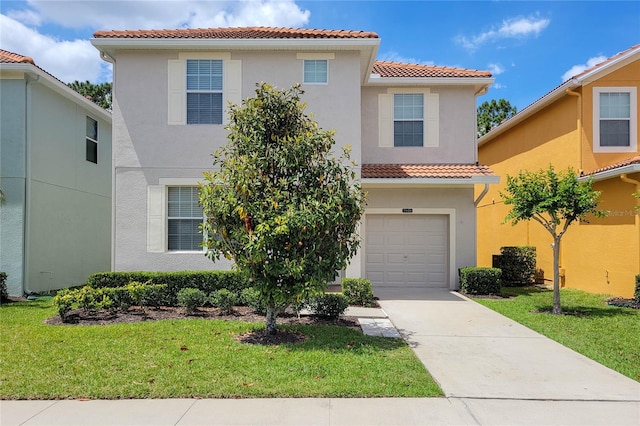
(609,335)
(196,358)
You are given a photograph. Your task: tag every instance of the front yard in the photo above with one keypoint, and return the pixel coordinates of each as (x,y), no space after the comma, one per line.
(196,358)
(609,335)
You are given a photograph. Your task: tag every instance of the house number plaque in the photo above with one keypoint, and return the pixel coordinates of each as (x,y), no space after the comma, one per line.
(407,210)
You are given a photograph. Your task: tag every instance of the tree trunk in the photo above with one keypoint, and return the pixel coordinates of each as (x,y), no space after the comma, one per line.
(272,314)
(557,309)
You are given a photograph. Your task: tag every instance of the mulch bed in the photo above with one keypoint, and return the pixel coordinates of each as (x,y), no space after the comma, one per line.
(80,317)
(623,303)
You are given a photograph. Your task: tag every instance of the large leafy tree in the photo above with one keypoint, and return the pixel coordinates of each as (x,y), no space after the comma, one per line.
(555,200)
(492,113)
(280,204)
(97,93)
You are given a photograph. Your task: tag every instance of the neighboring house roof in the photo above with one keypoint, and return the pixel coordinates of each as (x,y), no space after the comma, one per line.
(236,33)
(602,68)
(431,173)
(397,69)
(630,165)
(11,61)
(7,57)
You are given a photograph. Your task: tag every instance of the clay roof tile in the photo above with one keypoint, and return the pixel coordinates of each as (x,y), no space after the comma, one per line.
(236,33)
(437,171)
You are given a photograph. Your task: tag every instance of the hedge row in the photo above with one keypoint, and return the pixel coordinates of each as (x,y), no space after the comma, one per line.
(205,281)
(3,287)
(518,265)
(480,280)
(636,294)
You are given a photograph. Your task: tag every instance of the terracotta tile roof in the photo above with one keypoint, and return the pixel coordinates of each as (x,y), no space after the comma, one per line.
(607,61)
(236,33)
(620,164)
(7,57)
(397,69)
(437,171)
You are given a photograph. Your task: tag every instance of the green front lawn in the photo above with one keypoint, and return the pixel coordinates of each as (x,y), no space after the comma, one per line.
(609,335)
(196,358)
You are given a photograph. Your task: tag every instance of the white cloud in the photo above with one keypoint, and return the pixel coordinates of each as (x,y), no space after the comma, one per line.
(396,57)
(495,69)
(154,14)
(498,86)
(577,69)
(509,29)
(67,60)
(77,59)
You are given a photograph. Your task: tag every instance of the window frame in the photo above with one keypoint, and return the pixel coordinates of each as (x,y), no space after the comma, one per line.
(169,218)
(192,91)
(421,119)
(90,141)
(633,120)
(306,62)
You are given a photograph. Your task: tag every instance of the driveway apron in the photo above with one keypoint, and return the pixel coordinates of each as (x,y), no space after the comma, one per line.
(474,352)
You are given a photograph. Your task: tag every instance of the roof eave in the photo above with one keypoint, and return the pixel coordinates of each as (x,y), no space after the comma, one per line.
(608,174)
(430,81)
(387,182)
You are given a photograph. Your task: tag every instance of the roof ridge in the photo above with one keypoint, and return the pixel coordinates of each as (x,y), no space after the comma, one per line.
(608,60)
(236,32)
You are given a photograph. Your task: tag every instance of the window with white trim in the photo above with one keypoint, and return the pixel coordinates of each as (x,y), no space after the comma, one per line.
(408,119)
(91,140)
(615,119)
(316,71)
(184,217)
(204,91)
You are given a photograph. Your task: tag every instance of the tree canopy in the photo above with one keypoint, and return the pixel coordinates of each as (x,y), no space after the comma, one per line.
(492,113)
(98,93)
(555,200)
(281,205)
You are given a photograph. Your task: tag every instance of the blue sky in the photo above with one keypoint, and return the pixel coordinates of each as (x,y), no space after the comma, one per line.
(529,46)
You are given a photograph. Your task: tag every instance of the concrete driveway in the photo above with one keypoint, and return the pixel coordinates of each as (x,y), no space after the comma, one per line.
(479,355)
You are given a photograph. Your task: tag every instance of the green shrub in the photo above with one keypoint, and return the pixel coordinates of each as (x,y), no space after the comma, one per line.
(120,296)
(155,295)
(224,300)
(358,291)
(518,265)
(3,287)
(480,280)
(328,305)
(206,281)
(64,300)
(251,298)
(636,294)
(191,299)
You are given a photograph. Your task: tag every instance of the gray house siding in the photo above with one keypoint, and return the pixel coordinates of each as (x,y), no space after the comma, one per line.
(56,219)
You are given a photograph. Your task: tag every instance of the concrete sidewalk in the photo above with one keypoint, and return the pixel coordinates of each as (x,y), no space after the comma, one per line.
(492,370)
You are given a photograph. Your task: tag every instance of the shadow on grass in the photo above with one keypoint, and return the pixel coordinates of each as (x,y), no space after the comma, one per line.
(523,291)
(582,311)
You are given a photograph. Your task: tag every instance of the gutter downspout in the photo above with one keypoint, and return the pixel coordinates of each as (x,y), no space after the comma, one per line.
(578,124)
(30,79)
(482,194)
(108,58)
(626,179)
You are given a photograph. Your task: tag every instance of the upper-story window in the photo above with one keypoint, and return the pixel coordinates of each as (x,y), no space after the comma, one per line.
(91,140)
(200,86)
(204,91)
(615,119)
(408,119)
(316,71)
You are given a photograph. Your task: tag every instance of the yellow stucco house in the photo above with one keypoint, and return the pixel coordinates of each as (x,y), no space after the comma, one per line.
(589,123)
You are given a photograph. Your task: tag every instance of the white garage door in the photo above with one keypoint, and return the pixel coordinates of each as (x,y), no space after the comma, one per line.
(407,250)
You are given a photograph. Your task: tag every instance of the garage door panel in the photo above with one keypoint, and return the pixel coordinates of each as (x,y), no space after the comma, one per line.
(407,250)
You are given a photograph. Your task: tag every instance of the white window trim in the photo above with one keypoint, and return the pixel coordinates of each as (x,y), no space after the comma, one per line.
(431,119)
(177,85)
(158,215)
(633,122)
(315,56)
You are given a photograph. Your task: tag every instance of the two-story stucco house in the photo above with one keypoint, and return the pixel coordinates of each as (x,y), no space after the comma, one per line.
(55,173)
(412,129)
(588,123)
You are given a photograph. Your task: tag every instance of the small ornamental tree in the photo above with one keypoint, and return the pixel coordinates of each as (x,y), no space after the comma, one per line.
(555,200)
(280,205)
